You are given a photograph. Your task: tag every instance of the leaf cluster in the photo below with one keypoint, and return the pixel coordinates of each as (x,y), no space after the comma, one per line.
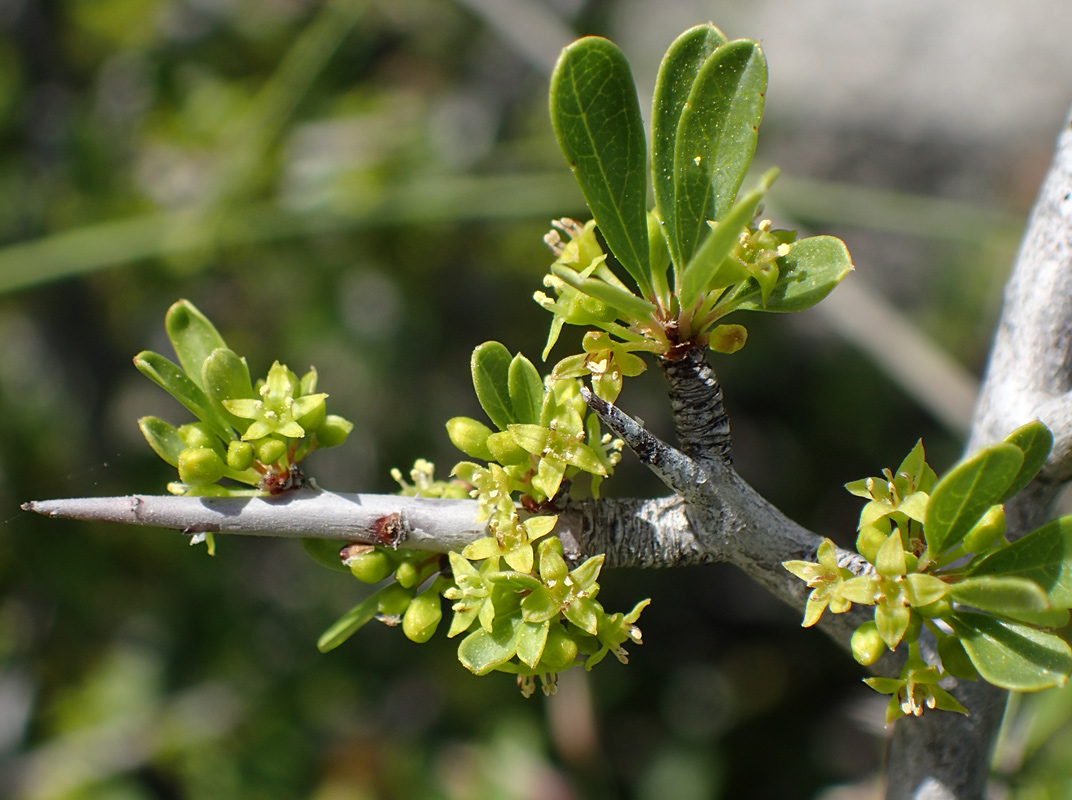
(251,434)
(700,253)
(937,558)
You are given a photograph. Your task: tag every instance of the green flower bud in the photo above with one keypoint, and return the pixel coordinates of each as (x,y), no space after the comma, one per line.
(867,645)
(470,436)
(269,450)
(370,567)
(394,600)
(199,466)
(869,541)
(986,531)
(239,455)
(560,651)
(422,617)
(333,431)
(408,573)
(198,434)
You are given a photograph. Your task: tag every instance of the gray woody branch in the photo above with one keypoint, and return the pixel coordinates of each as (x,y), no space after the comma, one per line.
(1028,376)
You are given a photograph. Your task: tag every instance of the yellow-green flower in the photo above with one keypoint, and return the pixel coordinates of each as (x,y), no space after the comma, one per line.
(278,410)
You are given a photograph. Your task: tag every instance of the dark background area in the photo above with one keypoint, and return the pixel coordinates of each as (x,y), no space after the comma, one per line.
(364,187)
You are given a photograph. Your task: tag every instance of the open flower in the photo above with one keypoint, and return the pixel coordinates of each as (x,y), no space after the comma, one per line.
(825,579)
(278,410)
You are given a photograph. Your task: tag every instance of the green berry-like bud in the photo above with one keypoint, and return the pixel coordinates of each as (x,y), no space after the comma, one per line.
(394,600)
(239,455)
(333,431)
(867,645)
(408,574)
(422,617)
(986,531)
(370,567)
(199,466)
(198,434)
(269,449)
(559,652)
(470,436)
(869,541)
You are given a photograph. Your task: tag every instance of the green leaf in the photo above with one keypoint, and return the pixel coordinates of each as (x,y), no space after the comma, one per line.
(1010,655)
(480,652)
(1000,595)
(526,390)
(193,337)
(354,619)
(627,304)
(1043,556)
(491,379)
(712,139)
(678,73)
(702,270)
(813,267)
(179,385)
(1035,441)
(225,376)
(596,117)
(163,437)
(470,436)
(966,492)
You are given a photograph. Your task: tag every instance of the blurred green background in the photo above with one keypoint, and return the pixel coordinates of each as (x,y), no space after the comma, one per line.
(364,186)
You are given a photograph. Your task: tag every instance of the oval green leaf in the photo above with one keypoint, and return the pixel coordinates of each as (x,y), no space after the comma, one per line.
(1043,556)
(678,73)
(491,379)
(526,390)
(181,386)
(193,337)
(715,139)
(1013,656)
(966,492)
(811,270)
(596,117)
(1000,595)
(163,437)
(1035,442)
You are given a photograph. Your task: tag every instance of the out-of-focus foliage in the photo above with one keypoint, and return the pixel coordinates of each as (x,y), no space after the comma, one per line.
(365,186)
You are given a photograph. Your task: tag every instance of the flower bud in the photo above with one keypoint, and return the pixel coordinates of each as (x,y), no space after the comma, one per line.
(867,645)
(370,567)
(394,600)
(199,466)
(870,539)
(333,431)
(422,616)
(198,434)
(559,652)
(408,573)
(269,449)
(239,455)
